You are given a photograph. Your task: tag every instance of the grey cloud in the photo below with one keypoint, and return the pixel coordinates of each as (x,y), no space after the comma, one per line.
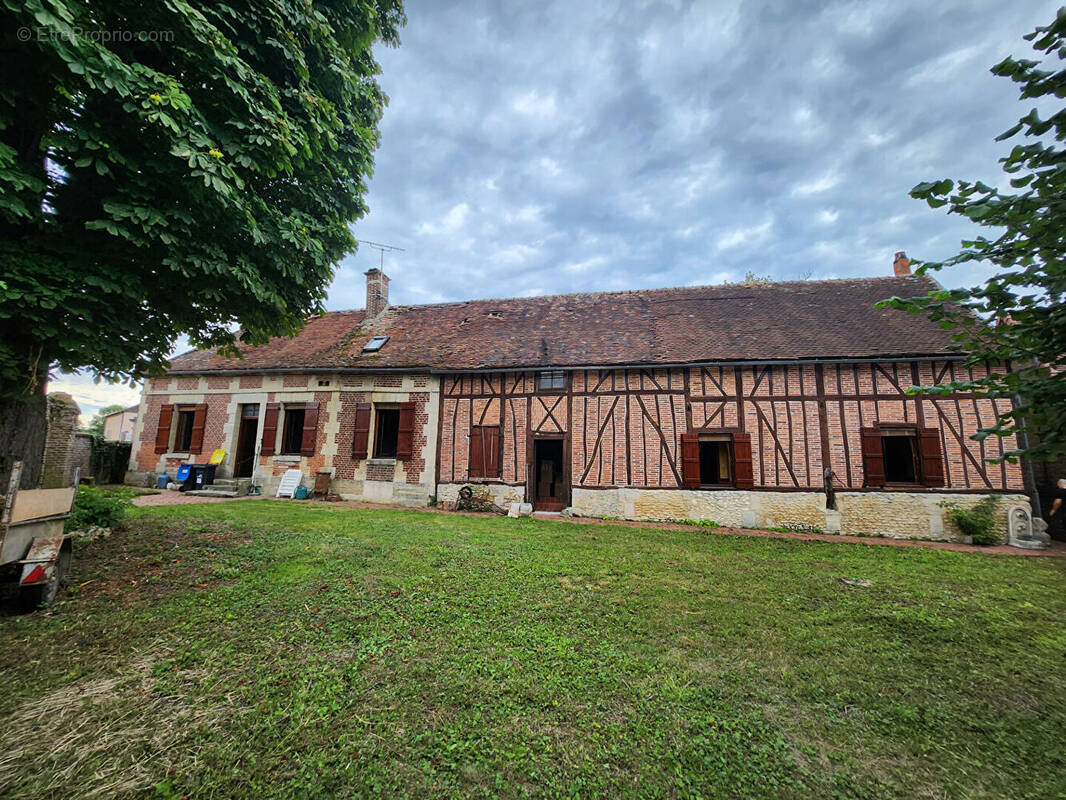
(546,147)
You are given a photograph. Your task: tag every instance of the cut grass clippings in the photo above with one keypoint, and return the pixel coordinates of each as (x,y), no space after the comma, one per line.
(267,649)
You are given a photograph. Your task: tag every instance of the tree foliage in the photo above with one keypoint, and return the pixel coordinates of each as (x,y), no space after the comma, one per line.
(1017,318)
(176,167)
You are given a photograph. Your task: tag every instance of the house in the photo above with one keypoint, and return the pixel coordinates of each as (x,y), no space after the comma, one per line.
(118,427)
(723,403)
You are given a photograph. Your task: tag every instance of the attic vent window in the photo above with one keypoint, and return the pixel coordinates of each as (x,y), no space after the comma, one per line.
(375,344)
(495,314)
(553,379)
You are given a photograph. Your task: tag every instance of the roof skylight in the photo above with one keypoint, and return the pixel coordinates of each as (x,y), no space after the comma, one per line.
(375,344)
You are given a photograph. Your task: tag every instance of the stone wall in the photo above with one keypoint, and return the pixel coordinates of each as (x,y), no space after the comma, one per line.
(501,494)
(62,422)
(918,515)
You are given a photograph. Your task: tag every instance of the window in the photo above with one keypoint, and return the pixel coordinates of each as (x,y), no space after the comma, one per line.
(552,379)
(375,344)
(900,449)
(183,437)
(386,432)
(716,457)
(716,461)
(293,431)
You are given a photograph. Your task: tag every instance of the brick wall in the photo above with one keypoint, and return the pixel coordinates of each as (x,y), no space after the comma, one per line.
(624,426)
(62,420)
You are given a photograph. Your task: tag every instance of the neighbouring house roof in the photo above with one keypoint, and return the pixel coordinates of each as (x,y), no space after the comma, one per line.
(736,322)
(130,410)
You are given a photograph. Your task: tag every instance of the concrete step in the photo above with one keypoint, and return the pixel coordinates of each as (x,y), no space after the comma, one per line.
(219,491)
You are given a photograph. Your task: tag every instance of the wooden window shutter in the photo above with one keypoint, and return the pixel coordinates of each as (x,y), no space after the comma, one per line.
(873,456)
(690,460)
(270,429)
(310,432)
(743,472)
(476,464)
(361,439)
(932,458)
(492,452)
(162,433)
(405,435)
(199,418)
(484,451)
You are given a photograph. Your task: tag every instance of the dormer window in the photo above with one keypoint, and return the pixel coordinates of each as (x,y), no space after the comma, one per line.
(375,344)
(552,379)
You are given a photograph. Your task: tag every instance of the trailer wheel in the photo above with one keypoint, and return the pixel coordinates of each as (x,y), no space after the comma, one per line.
(44,594)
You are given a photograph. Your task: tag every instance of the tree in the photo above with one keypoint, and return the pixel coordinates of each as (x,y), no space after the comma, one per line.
(173,167)
(1017,318)
(96,424)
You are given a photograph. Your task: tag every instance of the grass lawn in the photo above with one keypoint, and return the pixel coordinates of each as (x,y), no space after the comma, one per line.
(268,649)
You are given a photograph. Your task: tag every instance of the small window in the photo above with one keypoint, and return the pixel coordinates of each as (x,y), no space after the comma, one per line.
(292,435)
(386,433)
(323,383)
(375,344)
(183,439)
(716,462)
(552,379)
(900,448)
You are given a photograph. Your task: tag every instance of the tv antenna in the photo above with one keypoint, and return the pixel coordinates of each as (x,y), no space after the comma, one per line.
(382,248)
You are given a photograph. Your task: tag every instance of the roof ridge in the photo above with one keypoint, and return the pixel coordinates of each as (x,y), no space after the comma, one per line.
(620,292)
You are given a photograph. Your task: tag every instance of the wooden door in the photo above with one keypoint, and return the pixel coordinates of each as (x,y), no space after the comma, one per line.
(244,458)
(551,491)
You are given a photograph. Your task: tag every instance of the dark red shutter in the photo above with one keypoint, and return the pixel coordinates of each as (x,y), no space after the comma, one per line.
(743,472)
(476,466)
(932,458)
(310,432)
(162,433)
(270,429)
(690,460)
(492,452)
(361,440)
(873,456)
(199,418)
(405,435)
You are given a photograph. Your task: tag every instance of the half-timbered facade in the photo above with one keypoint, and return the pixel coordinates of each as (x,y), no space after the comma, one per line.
(769,405)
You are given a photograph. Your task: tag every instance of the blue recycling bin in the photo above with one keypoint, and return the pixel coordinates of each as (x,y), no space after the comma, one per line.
(183,473)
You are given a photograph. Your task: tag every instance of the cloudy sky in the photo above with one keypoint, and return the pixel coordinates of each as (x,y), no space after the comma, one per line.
(543,147)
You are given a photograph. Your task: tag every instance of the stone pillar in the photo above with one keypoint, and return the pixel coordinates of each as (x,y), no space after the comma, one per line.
(59,441)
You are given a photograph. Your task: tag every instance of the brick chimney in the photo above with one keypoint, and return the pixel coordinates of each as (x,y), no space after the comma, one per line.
(377,292)
(901,266)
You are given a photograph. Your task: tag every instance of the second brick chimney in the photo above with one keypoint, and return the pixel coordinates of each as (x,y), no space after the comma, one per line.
(377,292)
(902,264)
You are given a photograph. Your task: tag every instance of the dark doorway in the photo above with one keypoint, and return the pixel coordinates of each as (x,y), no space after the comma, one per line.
(550,492)
(244,458)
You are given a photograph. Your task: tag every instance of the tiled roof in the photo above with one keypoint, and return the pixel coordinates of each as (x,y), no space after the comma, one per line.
(738,322)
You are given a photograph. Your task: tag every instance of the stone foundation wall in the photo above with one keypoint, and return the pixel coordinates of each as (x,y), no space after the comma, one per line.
(893,514)
(500,493)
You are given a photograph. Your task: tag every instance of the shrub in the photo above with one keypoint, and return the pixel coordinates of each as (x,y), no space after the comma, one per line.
(94,506)
(977,522)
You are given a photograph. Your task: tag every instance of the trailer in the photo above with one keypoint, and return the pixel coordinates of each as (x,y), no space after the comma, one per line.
(33,548)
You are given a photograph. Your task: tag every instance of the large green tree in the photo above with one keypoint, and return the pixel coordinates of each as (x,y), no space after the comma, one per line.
(173,167)
(1017,318)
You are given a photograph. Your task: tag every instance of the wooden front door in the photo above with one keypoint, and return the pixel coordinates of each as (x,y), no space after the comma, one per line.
(550,489)
(244,458)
